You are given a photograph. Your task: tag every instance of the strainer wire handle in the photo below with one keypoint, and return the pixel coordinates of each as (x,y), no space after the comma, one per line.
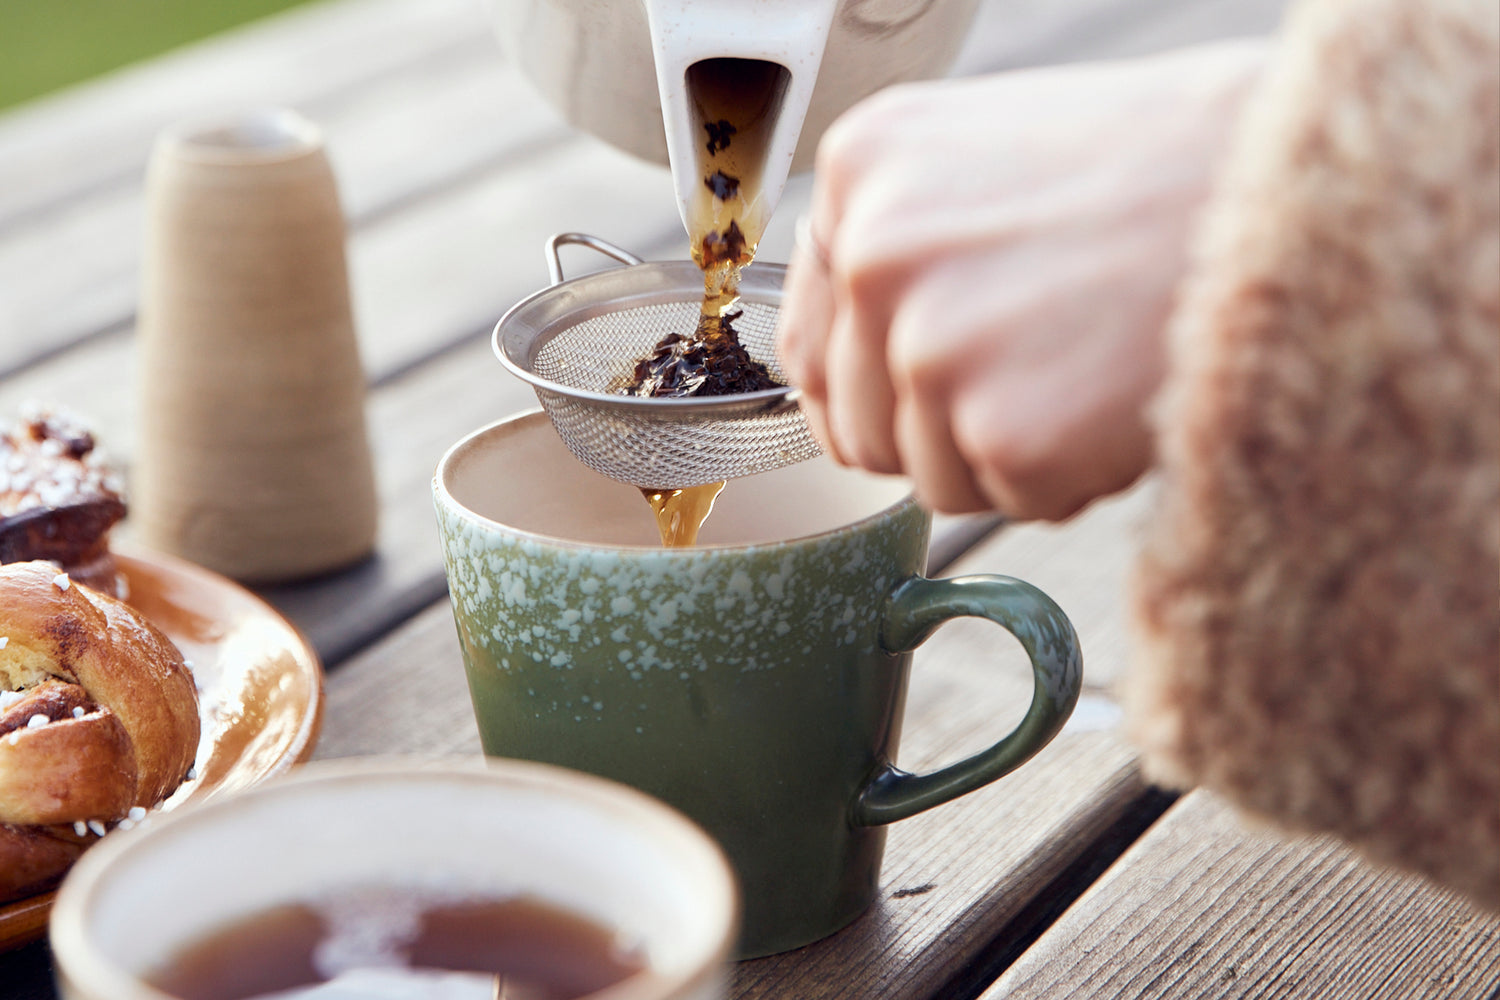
(560,240)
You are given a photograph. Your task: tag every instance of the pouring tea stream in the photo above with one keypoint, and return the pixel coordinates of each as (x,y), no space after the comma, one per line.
(731,124)
(734,84)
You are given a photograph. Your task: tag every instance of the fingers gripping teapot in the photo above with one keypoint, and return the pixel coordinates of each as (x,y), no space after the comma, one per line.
(612,66)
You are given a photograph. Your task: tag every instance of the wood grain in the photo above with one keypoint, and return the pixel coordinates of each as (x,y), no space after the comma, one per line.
(427,129)
(409,305)
(1070,562)
(448,235)
(414,101)
(57,150)
(1205,906)
(453,175)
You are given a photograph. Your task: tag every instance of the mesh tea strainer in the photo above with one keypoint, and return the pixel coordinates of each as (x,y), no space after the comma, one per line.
(577,343)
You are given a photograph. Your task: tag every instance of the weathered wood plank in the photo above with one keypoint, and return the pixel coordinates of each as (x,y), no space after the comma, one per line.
(97,135)
(439,273)
(959,876)
(391,145)
(434,274)
(404,121)
(1203,906)
(428,195)
(976,864)
(1067,564)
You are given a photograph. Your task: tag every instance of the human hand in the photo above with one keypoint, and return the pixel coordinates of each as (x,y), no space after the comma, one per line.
(992,263)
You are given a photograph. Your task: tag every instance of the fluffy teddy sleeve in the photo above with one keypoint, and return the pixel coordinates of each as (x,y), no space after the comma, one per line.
(1318,599)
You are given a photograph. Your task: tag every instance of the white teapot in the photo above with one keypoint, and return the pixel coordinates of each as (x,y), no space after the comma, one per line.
(611,66)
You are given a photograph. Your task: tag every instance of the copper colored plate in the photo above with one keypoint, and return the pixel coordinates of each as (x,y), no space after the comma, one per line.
(260,690)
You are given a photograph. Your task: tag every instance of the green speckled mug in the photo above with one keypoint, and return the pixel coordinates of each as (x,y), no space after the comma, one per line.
(756,681)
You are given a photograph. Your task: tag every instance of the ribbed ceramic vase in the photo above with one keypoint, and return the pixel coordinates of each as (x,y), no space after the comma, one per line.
(253,458)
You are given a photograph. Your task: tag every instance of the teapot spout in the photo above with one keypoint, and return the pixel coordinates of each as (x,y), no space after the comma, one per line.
(735,80)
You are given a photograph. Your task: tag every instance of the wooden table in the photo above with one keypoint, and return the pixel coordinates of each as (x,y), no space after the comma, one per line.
(1070,878)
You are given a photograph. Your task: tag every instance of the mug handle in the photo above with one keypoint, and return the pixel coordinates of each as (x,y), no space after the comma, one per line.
(912,612)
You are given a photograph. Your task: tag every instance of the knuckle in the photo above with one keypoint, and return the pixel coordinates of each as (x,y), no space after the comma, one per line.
(948,490)
(923,363)
(851,140)
(791,352)
(918,368)
(1016,464)
(869,455)
(865,278)
(845,432)
(859,141)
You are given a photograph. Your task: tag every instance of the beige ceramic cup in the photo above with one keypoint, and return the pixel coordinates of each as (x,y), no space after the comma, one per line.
(582,844)
(253,458)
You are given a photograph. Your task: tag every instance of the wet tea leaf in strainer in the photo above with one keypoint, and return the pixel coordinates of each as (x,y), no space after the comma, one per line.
(577,343)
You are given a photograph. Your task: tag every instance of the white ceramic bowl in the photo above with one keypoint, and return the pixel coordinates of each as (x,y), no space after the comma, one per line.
(583,844)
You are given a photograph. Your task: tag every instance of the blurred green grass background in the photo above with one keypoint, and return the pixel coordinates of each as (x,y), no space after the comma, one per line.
(48,44)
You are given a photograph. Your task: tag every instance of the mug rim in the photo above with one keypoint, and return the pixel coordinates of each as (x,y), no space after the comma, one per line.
(447,500)
(95,974)
(300,137)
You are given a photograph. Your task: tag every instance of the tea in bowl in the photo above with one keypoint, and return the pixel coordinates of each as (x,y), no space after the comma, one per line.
(376,879)
(755,680)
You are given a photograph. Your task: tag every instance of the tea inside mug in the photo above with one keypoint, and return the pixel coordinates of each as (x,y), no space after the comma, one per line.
(547,882)
(521,475)
(399,944)
(736,103)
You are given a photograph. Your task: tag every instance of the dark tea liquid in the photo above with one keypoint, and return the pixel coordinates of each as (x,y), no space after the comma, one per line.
(735,106)
(517,949)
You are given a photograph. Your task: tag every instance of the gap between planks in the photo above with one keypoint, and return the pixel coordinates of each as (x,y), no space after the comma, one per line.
(426,280)
(97,134)
(1208,905)
(499,119)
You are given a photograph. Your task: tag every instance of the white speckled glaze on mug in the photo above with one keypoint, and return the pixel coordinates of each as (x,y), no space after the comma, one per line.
(755,681)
